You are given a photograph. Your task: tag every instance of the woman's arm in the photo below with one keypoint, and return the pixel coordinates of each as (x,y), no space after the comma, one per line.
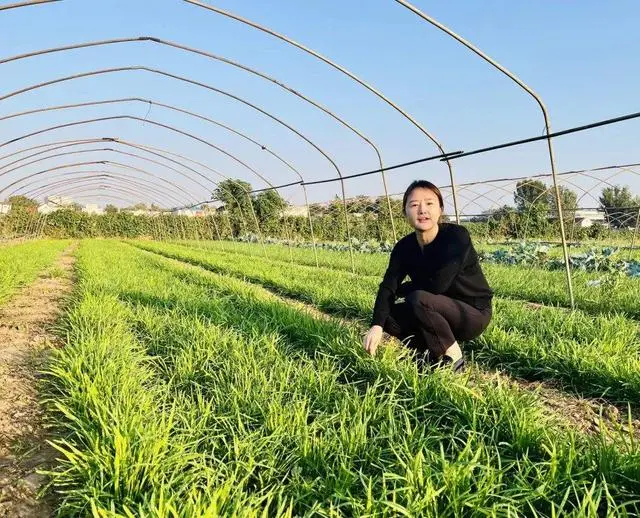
(385,298)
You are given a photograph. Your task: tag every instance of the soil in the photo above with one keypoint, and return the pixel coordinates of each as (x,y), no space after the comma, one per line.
(26,339)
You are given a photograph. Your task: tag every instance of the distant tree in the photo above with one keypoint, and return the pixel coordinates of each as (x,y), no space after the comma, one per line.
(234,195)
(269,205)
(111,209)
(569,200)
(360,204)
(532,202)
(137,206)
(22,204)
(531,195)
(618,201)
(315,209)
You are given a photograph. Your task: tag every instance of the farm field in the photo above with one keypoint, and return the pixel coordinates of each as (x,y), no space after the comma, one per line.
(21,263)
(585,352)
(329,256)
(594,291)
(200,201)
(191,385)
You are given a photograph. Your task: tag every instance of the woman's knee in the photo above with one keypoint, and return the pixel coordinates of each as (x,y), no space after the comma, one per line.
(420,300)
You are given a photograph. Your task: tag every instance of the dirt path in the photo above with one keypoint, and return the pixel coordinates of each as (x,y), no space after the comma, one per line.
(25,339)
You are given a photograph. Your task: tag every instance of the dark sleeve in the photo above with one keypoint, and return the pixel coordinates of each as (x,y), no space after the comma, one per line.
(387,291)
(405,288)
(451,263)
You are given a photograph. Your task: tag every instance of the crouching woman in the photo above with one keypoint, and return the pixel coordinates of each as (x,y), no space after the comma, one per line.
(447,300)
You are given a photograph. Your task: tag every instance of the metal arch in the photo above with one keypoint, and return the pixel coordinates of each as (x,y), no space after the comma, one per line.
(152,150)
(618,171)
(341,69)
(545,114)
(105,184)
(133,197)
(27,3)
(31,188)
(63,177)
(40,226)
(53,146)
(43,190)
(162,152)
(93,150)
(69,178)
(474,197)
(222,92)
(95,162)
(97,150)
(104,162)
(180,110)
(168,106)
(120,117)
(178,78)
(157,151)
(89,192)
(236,65)
(135,194)
(155,123)
(184,133)
(110,196)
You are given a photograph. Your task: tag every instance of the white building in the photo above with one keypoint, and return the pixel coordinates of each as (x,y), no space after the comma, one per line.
(54,203)
(145,212)
(63,201)
(293,210)
(5,208)
(48,208)
(191,213)
(92,208)
(587,217)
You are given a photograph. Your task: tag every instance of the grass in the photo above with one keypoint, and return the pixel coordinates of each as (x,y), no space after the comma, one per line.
(593,356)
(21,263)
(186,393)
(615,294)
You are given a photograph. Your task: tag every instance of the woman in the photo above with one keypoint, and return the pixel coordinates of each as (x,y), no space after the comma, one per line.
(448,298)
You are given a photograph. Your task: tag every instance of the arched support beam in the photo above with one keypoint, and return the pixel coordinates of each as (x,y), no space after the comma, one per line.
(545,114)
(235,64)
(31,189)
(92,163)
(341,69)
(27,3)
(158,152)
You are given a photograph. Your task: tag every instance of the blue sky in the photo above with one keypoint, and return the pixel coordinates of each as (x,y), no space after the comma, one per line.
(581,57)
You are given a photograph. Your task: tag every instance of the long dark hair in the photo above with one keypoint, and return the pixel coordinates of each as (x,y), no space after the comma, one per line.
(421,184)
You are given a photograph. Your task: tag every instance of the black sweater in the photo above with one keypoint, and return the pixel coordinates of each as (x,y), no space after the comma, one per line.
(446,266)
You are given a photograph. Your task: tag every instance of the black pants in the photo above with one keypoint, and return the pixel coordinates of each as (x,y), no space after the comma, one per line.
(435,322)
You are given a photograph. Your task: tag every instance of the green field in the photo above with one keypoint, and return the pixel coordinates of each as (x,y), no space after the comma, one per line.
(21,263)
(190,385)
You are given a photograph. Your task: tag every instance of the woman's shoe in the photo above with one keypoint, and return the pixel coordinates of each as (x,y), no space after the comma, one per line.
(457,366)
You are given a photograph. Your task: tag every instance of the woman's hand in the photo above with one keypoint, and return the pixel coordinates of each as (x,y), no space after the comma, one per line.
(372,339)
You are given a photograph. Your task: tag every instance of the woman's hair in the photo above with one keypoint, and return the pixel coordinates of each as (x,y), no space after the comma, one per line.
(421,184)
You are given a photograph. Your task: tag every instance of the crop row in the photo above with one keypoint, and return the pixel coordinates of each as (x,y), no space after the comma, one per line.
(593,356)
(596,292)
(186,393)
(21,263)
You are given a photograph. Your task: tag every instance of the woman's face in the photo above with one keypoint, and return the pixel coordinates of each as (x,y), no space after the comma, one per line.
(423,209)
